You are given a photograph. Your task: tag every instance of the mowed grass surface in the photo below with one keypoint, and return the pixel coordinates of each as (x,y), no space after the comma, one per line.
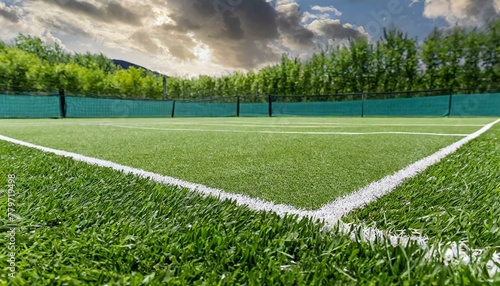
(84,225)
(303,170)
(457,199)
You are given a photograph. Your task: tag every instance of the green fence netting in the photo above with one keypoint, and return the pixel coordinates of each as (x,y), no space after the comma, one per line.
(49,106)
(417,106)
(475,105)
(84,107)
(254,109)
(29,106)
(205,109)
(340,108)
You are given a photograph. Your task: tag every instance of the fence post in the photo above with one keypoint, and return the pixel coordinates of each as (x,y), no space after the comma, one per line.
(62,101)
(363,98)
(270,98)
(173,109)
(237,106)
(450,103)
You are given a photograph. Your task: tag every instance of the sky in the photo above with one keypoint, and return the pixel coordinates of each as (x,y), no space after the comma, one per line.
(217,37)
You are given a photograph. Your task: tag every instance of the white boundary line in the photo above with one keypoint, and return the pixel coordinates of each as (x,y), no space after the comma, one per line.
(287,126)
(242,123)
(282,132)
(330,213)
(295,124)
(304,121)
(314,124)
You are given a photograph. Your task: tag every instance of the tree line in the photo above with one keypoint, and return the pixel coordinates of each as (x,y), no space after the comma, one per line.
(445,59)
(456,58)
(29,64)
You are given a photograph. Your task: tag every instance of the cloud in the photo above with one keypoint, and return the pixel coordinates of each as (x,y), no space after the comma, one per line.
(12,22)
(413,2)
(144,43)
(463,12)
(180,36)
(327,9)
(289,24)
(334,30)
(9,14)
(109,12)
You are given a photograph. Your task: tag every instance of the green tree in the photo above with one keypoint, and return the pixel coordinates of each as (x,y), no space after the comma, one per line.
(52,54)
(470,72)
(362,64)
(491,54)
(431,59)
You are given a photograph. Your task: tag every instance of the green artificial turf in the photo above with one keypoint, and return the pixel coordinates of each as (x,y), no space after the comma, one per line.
(78,224)
(457,199)
(303,170)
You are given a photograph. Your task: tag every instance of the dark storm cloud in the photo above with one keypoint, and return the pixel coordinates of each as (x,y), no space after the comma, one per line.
(234,33)
(240,35)
(254,19)
(204,8)
(289,24)
(118,12)
(143,39)
(258,19)
(232,27)
(335,30)
(483,10)
(182,24)
(243,54)
(173,38)
(108,12)
(63,26)
(180,52)
(9,14)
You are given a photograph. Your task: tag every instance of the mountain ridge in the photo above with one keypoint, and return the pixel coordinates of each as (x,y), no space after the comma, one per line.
(126,65)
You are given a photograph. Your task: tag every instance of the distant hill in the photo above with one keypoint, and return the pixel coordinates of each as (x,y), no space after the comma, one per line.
(126,65)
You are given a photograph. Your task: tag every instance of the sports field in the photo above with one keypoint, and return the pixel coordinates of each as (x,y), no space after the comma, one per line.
(254,200)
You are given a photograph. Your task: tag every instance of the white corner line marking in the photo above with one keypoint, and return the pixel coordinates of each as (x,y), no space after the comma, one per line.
(330,213)
(334,211)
